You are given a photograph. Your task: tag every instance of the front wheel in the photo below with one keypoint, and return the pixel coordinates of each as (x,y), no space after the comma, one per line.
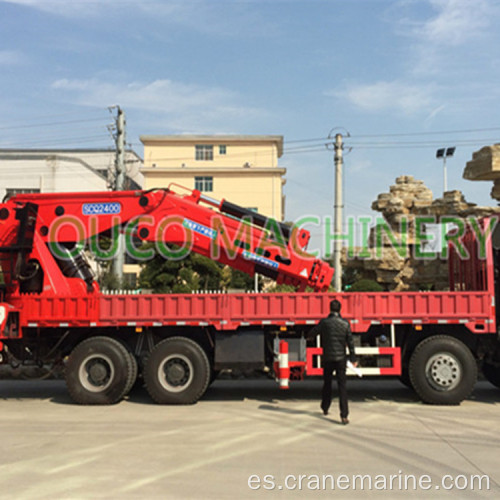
(177,371)
(442,370)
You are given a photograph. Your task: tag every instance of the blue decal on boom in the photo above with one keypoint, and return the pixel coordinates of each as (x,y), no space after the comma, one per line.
(199,228)
(260,260)
(101,208)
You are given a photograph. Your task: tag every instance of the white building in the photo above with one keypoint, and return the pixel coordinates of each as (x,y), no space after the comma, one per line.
(63,170)
(67,170)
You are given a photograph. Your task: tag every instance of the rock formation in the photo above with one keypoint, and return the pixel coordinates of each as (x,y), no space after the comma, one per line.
(397,242)
(485,166)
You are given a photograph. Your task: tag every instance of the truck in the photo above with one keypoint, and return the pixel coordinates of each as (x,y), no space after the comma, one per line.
(53,313)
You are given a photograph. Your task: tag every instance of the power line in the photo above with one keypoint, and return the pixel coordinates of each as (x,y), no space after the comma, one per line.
(52,124)
(305,149)
(463,131)
(66,141)
(56,134)
(394,144)
(420,143)
(302,145)
(415,146)
(60,115)
(308,140)
(400,134)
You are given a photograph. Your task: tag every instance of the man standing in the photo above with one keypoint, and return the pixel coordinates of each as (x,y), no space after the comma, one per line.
(335,334)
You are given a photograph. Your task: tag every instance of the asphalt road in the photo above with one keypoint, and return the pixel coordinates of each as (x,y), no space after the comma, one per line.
(248,439)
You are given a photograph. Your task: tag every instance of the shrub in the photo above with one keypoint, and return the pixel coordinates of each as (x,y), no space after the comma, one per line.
(366,285)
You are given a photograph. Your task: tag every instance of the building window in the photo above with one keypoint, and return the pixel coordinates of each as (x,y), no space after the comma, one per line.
(130,280)
(204,183)
(222,149)
(204,152)
(13,191)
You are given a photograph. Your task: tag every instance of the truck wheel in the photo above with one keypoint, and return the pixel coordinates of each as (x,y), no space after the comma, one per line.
(135,371)
(135,367)
(177,371)
(99,371)
(492,374)
(442,370)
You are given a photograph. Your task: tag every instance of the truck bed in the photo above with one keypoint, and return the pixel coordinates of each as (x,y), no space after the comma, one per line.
(230,311)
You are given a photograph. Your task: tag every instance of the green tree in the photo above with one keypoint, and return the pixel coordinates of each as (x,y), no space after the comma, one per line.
(192,273)
(241,280)
(366,285)
(208,271)
(282,289)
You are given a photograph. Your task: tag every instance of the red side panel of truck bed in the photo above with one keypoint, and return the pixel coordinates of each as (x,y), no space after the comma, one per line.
(230,311)
(57,311)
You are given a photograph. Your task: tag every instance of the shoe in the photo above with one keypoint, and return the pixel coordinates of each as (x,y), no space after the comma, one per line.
(325,411)
(345,421)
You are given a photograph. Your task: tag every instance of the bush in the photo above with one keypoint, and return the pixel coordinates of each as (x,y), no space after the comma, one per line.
(365,285)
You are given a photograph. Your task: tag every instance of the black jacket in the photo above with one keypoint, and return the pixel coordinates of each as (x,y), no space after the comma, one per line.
(335,334)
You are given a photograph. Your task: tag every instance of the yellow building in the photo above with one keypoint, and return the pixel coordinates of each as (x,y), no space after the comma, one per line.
(243,169)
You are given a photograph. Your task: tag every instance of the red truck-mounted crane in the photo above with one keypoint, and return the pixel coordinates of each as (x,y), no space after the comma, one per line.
(51,307)
(52,311)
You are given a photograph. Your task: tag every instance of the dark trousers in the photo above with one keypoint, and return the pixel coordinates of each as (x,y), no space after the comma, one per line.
(326,397)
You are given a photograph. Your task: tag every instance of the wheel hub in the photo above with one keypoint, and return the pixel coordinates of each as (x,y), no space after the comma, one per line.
(176,372)
(443,371)
(98,373)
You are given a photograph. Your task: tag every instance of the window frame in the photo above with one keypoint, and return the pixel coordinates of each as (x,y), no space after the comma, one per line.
(204,183)
(203,152)
(14,191)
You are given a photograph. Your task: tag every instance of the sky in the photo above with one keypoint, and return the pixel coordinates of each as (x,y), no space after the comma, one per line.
(398,79)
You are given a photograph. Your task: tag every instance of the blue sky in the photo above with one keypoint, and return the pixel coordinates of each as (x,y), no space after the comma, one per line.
(297,68)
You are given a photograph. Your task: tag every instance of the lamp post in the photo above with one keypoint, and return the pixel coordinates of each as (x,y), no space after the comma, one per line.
(445,153)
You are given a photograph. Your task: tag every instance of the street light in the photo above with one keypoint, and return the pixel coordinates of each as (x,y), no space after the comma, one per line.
(445,153)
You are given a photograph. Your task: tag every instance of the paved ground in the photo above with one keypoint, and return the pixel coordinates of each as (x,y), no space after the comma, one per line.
(53,449)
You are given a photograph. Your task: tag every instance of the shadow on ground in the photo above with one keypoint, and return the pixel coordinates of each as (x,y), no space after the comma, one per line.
(267,391)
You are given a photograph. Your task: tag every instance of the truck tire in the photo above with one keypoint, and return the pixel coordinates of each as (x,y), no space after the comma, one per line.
(442,370)
(177,371)
(135,367)
(99,371)
(492,373)
(135,372)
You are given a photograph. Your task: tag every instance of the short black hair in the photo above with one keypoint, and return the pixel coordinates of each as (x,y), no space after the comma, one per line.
(335,306)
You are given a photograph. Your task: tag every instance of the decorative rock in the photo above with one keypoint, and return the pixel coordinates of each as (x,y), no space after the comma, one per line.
(402,270)
(485,164)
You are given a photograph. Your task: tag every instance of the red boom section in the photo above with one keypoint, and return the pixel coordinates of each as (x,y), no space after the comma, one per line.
(229,235)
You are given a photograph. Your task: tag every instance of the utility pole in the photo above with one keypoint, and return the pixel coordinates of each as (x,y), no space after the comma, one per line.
(119,185)
(120,150)
(338,206)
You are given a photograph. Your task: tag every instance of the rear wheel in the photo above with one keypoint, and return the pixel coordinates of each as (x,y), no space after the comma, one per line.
(492,373)
(99,371)
(135,368)
(442,370)
(177,371)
